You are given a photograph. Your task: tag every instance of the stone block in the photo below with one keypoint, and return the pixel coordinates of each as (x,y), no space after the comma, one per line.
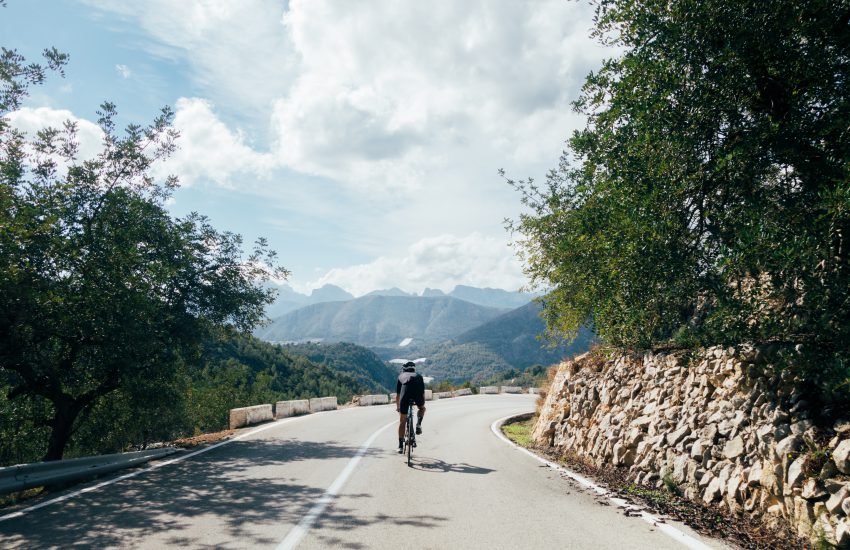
(796,473)
(733,448)
(833,504)
(461,392)
(813,490)
(788,445)
(841,456)
(330,403)
(511,389)
(486,390)
(429,395)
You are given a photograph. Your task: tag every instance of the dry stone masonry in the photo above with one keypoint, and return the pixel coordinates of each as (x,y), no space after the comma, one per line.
(722,426)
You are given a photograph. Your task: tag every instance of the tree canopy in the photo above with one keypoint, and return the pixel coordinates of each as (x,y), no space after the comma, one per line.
(101,289)
(707,199)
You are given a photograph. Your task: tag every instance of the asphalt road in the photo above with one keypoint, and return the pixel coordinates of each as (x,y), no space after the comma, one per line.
(334,480)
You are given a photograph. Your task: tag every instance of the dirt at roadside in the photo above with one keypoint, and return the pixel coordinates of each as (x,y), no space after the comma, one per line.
(203,439)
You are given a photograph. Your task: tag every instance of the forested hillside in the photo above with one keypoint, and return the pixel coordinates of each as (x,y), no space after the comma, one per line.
(232,371)
(362,364)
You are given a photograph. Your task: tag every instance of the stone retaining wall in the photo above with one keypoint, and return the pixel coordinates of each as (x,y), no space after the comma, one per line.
(722,426)
(511,389)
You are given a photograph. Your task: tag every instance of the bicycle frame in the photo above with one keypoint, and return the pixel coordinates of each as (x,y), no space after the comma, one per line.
(409,437)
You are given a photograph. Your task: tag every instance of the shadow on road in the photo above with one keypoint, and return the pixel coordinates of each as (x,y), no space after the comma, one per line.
(232,490)
(426,464)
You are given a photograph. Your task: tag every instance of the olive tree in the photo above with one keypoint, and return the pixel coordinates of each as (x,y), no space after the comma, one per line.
(100,287)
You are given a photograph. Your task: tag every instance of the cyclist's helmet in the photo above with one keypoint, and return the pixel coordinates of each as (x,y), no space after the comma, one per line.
(410,366)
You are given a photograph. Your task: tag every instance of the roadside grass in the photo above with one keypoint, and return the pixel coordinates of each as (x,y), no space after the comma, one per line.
(519,431)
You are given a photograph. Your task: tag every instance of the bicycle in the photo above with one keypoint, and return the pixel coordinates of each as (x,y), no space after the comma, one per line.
(410,435)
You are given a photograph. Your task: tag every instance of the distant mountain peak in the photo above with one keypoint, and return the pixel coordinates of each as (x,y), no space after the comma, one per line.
(432,293)
(394,291)
(329,293)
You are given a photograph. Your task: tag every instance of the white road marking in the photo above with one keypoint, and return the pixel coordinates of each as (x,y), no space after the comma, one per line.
(665,528)
(297,533)
(102,484)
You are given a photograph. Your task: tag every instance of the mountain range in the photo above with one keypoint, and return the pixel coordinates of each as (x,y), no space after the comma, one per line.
(290,300)
(468,334)
(378,320)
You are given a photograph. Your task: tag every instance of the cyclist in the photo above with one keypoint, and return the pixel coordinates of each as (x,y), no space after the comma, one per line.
(410,388)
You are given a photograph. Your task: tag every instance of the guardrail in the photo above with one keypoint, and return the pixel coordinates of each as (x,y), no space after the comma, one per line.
(39,474)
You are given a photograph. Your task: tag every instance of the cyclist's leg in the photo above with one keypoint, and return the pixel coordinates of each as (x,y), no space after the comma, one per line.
(402,421)
(420,416)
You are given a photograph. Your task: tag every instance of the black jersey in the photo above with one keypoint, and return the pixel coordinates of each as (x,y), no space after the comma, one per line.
(411,386)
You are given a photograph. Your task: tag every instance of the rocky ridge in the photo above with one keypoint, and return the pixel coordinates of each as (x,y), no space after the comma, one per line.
(722,427)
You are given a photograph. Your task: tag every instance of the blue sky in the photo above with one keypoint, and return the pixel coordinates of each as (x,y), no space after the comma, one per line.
(362,139)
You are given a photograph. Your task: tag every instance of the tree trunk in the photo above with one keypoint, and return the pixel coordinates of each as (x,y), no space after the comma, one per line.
(65,413)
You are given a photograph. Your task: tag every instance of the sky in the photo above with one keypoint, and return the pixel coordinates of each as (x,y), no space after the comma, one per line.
(362,139)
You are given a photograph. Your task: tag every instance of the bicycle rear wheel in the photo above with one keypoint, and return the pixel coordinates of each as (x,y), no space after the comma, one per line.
(409,439)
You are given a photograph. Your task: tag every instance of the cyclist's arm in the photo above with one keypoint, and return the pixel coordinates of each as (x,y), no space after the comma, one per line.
(397,393)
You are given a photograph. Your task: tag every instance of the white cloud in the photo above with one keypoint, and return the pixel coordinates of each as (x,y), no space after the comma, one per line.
(404,111)
(123,70)
(237,51)
(210,151)
(395,95)
(32,120)
(438,262)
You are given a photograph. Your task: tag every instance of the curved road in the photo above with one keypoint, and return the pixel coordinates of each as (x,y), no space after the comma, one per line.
(333,480)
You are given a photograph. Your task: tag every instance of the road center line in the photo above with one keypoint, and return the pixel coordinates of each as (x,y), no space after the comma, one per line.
(665,528)
(297,533)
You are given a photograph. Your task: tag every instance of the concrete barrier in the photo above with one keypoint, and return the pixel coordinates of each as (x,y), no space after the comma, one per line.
(511,389)
(461,392)
(429,395)
(535,391)
(329,403)
(285,409)
(247,416)
(392,396)
(367,400)
(488,389)
(442,395)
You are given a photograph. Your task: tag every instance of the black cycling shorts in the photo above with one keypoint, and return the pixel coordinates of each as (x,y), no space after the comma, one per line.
(405,402)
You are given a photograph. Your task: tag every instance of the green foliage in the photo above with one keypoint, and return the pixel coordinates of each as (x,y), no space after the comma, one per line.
(366,367)
(233,371)
(708,198)
(461,362)
(535,376)
(101,291)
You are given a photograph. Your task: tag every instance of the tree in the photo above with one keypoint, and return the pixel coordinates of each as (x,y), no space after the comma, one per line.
(99,285)
(707,199)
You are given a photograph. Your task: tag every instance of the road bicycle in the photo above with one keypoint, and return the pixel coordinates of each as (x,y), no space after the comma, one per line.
(410,435)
